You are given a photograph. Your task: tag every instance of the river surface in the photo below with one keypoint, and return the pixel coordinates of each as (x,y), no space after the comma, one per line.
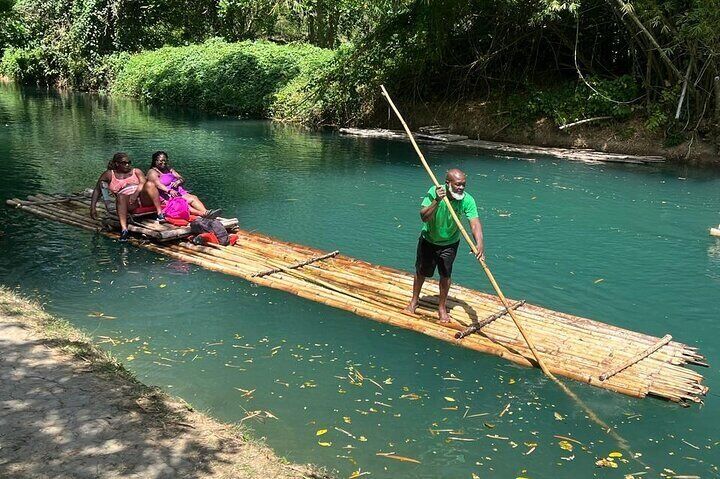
(627,245)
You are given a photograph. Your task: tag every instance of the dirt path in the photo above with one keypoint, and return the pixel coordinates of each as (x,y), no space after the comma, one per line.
(68,410)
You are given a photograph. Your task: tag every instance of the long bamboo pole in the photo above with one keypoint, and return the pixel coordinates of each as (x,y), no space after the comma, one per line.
(469,241)
(591,414)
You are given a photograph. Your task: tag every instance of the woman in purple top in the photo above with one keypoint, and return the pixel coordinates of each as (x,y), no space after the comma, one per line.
(169,183)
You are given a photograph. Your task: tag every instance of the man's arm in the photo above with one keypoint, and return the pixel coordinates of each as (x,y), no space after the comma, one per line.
(476,227)
(427,212)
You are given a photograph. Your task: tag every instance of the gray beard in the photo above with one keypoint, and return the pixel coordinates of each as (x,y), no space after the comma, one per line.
(456,196)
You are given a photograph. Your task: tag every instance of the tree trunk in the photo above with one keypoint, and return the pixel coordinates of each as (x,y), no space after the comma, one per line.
(619,5)
(716,81)
(648,81)
(320,23)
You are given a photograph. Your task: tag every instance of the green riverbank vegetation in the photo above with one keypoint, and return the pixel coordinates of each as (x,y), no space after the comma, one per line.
(642,71)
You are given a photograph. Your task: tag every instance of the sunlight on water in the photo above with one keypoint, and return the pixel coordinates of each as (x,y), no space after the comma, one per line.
(625,245)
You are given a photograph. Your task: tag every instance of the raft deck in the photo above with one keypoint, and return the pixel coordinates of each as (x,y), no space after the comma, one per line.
(588,351)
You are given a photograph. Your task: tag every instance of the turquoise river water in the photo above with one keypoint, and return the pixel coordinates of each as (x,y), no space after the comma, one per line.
(627,245)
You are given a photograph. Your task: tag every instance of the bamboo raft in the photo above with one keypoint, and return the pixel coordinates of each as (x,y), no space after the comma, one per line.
(581,349)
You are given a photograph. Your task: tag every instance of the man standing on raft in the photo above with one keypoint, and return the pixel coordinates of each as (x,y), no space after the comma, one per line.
(440,236)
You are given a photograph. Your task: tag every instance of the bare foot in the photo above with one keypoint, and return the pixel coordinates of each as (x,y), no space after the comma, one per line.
(410,308)
(443,316)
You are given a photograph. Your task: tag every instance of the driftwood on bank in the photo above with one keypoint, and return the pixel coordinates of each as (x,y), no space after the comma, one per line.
(573,154)
(582,122)
(580,348)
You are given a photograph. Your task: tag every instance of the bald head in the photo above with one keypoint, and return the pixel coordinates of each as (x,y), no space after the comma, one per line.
(455,175)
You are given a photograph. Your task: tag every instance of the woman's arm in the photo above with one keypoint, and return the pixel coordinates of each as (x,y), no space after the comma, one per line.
(180,180)
(141,177)
(96,193)
(154,177)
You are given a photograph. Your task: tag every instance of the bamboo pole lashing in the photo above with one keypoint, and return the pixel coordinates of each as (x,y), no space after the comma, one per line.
(637,358)
(479,325)
(297,265)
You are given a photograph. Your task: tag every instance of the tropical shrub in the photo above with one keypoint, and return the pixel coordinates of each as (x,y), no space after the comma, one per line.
(231,78)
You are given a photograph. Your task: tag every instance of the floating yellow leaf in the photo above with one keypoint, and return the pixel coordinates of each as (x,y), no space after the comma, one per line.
(163,285)
(357,474)
(615,454)
(130,358)
(325,444)
(511,381)
(600,280)
(606,463)
(362,439)
(475,476)
(558,416)
(320,432)
(447,398)
(489,426)
(347,420)
(565,445)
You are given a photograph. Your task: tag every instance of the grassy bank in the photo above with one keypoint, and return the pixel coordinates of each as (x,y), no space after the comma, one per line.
(146,430)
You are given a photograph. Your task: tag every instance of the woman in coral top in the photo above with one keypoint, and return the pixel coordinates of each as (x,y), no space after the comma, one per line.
(130,188)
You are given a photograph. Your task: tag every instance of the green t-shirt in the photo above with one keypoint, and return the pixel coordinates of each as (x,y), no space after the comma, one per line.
(441,229)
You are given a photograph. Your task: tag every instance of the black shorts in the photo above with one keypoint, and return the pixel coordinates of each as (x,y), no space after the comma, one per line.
(431,255)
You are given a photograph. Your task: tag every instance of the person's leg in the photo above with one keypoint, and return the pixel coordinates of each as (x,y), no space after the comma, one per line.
(195,203)
(424,267)
(151,196)
(121,205)
(443,315)
(418,282)
(445,259)
(194,211)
